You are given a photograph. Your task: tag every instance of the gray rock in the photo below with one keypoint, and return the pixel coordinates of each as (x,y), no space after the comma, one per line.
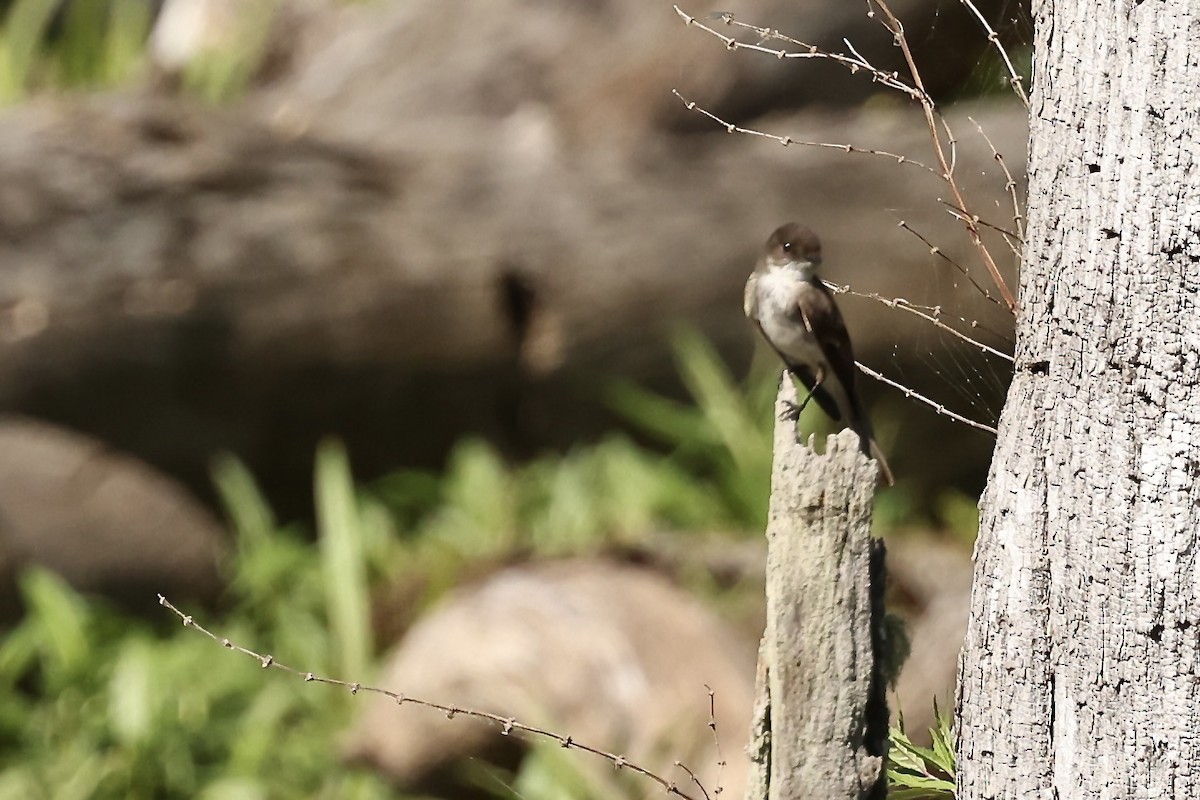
(102,520)
(613,656)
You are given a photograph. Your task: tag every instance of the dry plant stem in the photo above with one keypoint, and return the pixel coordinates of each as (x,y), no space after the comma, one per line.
(855,64)
(712,726)
(1009,237)
(937,251)
(787,140)
(1010,184)
(936,406)
(928,314)
(507,724)
(894,25)
(916,92)
(934,250)
(959,214)
(1014,79)
(889,79)
(692,775)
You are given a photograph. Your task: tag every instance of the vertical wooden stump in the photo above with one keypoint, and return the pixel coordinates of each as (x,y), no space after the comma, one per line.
(820,724)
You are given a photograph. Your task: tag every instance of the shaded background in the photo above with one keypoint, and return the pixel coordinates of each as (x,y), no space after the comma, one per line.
(483,247)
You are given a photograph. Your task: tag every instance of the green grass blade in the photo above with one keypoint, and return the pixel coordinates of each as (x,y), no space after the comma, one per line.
(343,565)
(23,33)
(247,509)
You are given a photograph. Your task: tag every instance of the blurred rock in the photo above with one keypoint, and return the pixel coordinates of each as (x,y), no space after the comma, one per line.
(929,587)
(613,656)
(105,522)
(935,575)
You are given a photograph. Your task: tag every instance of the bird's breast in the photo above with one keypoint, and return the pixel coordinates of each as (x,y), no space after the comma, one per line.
(779,293)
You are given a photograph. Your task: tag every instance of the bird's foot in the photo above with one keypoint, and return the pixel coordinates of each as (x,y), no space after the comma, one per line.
(791,411)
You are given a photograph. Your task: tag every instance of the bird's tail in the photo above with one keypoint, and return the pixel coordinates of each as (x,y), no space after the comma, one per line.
(862,427)
(885,472)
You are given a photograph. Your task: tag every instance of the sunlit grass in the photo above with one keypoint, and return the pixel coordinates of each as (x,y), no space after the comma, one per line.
(922,773)
(91,44)
(47,46)
(98,704)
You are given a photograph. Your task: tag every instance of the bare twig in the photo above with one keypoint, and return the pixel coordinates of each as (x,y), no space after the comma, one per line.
(507,724)
(1010,185)
(695,780)
(787,140)
(937,251)
(855,65)
(1010,237)
(930,314)
(1014,78)
(936,406)
(893,24)
(960,215)
(712,726)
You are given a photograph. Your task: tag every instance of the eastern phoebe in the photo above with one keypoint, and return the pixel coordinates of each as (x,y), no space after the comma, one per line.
(798,317)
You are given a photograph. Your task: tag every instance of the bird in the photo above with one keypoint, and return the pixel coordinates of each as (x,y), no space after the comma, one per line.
(796,313)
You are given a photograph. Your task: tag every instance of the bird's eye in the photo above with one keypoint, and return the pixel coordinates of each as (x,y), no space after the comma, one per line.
(787,247)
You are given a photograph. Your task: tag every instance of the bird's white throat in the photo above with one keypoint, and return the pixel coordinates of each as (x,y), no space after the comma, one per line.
(802,270)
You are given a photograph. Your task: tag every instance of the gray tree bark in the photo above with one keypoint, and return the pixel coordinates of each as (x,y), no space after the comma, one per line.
(1079,672)
(820,713)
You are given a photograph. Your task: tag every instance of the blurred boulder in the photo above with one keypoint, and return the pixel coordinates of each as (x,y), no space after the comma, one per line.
(105,522)
(934,575)
(613,656)
(929,587)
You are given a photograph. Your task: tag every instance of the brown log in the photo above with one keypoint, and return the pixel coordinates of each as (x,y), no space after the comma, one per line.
(601,72)
(181,280)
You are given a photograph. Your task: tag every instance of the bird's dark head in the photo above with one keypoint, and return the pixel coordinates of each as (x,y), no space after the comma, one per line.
(794,246)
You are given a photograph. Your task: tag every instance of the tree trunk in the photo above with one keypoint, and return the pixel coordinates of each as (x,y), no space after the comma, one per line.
(1078,677)
(820,712)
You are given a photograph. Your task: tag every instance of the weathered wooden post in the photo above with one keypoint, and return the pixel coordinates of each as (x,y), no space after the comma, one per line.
(820,720)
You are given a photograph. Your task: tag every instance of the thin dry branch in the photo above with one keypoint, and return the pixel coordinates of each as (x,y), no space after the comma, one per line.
(1010,237)
(855,65)
(935,405)
(958,214)
(856,62)
(787,140)
(1014,78)
(930,314)
(507,724)
(695,779)
(1010,184)
(893,24)
(712,726)
(927,103)
(937,251)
